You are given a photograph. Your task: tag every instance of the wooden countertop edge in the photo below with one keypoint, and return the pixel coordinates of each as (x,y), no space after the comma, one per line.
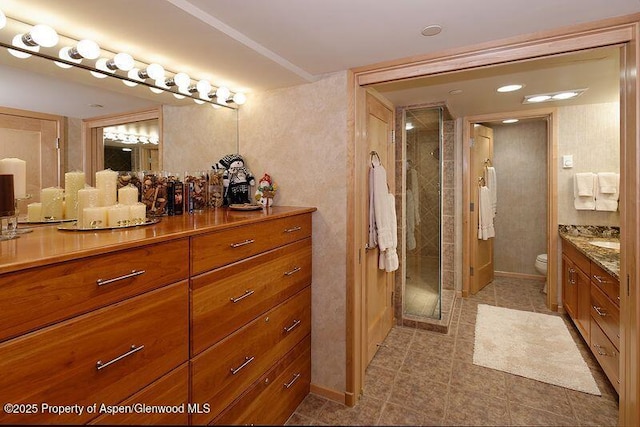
(136,243)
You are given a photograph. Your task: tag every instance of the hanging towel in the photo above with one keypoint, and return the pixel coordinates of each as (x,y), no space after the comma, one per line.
(373,235)
(584,191)
(492,184)
(607,200)
(383,211)
(608,183)
(485,214)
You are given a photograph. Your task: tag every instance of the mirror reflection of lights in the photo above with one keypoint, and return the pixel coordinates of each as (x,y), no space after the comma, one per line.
(125,138)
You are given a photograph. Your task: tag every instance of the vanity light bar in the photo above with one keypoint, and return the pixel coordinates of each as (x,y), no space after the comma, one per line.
(178,84)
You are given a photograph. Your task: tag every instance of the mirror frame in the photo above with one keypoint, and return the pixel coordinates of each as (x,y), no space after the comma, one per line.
(92,142)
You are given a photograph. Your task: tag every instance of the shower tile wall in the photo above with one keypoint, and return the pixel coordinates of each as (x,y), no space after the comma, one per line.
(448,204)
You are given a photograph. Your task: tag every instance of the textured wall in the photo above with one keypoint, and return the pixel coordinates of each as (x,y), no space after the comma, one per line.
(592,134)
(73,150)
(520,159)
(195,137)
(299,136)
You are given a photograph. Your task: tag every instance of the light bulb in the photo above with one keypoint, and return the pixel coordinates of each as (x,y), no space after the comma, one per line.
(161,86)
(155,71)
(122,61)
(239,98)
(101,64)
(222,93)
(198,101)
(3,19)
(539,98)
(64,54)
(177,95)
(133,75)
(17,42)
(42,35)
(216,106)
(85,49)
(204,87)
(182,79)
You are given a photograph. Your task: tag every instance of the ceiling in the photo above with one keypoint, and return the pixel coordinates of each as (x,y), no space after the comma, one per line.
(257,45)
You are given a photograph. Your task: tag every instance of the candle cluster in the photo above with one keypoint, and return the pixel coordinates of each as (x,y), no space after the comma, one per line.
(17,168)
(104,205)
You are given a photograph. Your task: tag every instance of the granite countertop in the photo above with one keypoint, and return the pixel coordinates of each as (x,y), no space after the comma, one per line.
(581,236)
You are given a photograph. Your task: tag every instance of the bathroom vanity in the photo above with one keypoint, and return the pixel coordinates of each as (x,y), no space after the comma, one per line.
(591,294)
(205,315)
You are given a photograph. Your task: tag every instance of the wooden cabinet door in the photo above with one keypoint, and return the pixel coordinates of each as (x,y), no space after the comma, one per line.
(569,287)
(583,319)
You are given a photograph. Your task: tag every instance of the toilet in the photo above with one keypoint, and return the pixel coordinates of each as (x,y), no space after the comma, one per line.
(541,266)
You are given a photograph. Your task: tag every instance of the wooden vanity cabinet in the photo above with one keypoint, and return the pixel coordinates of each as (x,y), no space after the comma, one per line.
(576,289)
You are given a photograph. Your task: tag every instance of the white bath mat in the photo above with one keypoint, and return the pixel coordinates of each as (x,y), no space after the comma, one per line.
(532,345)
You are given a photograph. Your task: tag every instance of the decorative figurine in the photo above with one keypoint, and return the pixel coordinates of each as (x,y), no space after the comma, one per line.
(236,179)
(266,191)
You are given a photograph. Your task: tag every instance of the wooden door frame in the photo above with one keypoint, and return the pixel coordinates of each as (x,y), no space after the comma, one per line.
(615,31)
(468,235)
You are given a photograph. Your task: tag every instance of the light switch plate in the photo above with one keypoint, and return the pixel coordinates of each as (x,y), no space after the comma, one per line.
(567,161)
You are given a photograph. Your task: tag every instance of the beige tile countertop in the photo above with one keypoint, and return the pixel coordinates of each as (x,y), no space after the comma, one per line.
(581,238)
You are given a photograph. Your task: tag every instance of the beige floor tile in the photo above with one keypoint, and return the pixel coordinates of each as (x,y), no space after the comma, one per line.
(538,395)
(464,350)
(366,412)
(469,377)
(311,406)
(389,357)
(378,382)
(428,365)
(525,416)
(468,408)
(420,394)
(432,343)
(466,332)
(397,415)
(300,420)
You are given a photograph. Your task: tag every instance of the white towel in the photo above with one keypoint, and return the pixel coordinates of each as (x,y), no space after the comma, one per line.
(584,191)
(388,260)
(584,185)
(607,200)
(384,216)
(492,184)
(485,214)
(608,183)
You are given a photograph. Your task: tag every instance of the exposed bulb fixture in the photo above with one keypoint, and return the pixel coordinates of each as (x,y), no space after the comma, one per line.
(17,42)
(64,54)
(510,88)
(198,101)
(239,98)
(133,75)
(3,20)
(222,94)
(41,35)
(102,65)
(85,49)
(182,80)
(153,71)
(204,87)
(122,61)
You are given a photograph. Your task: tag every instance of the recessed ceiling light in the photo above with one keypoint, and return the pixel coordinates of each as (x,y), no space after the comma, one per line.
(431,30)
(565,95)
(538,98)
(553,96)
(510,88)
(510,121)
(455,92)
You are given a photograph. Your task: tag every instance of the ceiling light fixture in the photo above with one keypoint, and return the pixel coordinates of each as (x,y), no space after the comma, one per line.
(431,30)
(553,96)
(509,121)
(510,88)
(30,40)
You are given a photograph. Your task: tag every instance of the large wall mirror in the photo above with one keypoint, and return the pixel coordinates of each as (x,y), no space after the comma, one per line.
(90,116)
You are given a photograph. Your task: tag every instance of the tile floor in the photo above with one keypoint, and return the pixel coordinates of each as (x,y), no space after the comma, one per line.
(426,378)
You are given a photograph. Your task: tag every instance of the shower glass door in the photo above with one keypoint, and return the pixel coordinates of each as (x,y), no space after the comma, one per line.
(423,145)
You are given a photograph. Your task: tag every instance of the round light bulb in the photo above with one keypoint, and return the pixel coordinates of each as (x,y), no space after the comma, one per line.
(182,79)
(17,42)
(216,106)
(198,101)
(3,19)
(101,64)
(44,35)
(222,93)
(204,87)
(133,75)
(88,49)
(177,95)
(155,71)
(239,98)
(64,54)
(124,61)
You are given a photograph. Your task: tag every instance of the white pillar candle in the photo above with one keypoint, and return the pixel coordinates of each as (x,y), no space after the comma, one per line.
(51,199)
(34,212)
(17,168)
(88,197)
(118,215)
(138,213)
(128,195)
(94,217)
(73,182)
(107,182)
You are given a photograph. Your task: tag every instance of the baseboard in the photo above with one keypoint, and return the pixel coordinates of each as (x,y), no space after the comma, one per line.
(519,275)
(331,394)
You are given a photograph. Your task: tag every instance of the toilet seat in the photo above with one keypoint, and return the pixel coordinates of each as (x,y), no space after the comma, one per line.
(542,258)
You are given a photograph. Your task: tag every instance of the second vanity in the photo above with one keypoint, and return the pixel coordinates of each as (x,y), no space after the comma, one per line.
(591,291)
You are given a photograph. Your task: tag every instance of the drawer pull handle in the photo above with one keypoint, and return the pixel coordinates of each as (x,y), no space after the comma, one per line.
(601,351)
(292,327)
(599,311)
(292,229)
(599,279)
(295,270)
(293,381)
(134,273)
(246,242)
(134,349)
(247,293)
(247,360)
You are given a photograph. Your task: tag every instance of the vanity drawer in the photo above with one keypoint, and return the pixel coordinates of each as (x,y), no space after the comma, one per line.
(579,259)
(42,296)
(607,355)
(172,390)
(225,299)
(91,359)
(606,315)
(216,249)
(609,284)
(223,372)
(277,394)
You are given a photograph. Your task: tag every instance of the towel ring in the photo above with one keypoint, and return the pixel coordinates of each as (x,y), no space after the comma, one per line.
(487,162)
(481,181)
